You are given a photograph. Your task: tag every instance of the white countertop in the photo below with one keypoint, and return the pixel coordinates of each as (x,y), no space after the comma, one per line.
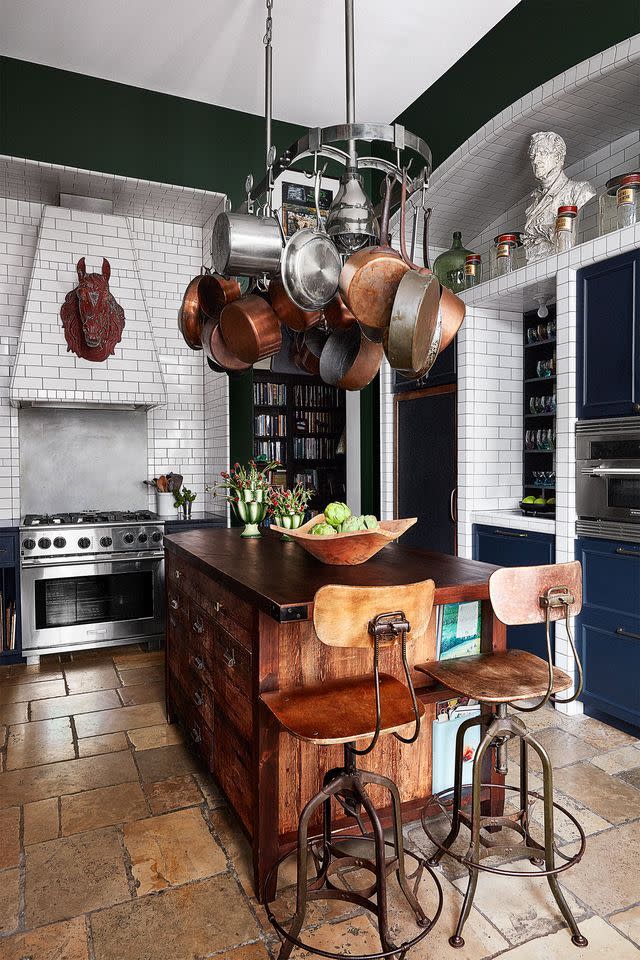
(513,519)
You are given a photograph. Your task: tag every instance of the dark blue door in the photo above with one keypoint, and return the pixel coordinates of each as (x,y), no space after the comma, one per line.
(608,312)
(608,629)
(516,548)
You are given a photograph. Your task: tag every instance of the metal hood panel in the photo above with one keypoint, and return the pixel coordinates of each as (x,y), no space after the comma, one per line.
(45,372)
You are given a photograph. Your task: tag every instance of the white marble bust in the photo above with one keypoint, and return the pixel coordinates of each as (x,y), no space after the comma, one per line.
(547,151)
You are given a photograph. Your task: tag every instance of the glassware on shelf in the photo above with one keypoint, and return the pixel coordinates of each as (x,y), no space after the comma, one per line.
(565,229)
(551,329)
(449,266)
(530,440)
(619,204)
(472,270)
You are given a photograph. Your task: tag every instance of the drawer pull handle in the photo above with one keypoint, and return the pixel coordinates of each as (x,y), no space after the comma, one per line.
(510,533)
(198,699)
(174,604)
(229,658)
(198,626)
(195,733)
(198,663)
(627,633)
(178,574)
(628,553)
(217,606)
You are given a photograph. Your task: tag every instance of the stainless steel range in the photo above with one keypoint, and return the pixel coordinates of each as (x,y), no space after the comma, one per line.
(91,579)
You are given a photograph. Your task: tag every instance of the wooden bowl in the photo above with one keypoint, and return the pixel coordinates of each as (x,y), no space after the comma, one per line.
(346,548)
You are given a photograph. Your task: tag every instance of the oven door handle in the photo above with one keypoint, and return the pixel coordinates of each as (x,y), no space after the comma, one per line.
(613,472)
(78,559)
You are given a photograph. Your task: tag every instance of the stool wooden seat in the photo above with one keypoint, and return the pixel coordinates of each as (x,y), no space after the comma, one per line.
(348,711)
(501,677)
(340,711)
(519,595)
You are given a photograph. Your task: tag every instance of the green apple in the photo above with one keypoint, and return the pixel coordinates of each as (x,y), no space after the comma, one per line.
(551,501)
(529,500)
(540,501)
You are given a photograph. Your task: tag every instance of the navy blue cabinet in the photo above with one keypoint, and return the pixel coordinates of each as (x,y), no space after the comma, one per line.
(608,629)
(516,548)
(10,615)
(608,312)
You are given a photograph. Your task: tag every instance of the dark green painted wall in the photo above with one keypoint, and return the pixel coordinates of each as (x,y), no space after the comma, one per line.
(81,121)
(536,41)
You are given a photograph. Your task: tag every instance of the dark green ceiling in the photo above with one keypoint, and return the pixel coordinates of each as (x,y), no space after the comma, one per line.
(536,41)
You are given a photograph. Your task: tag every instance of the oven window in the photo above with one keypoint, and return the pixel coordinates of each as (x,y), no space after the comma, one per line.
(95,599)
(615,449)
(624,492)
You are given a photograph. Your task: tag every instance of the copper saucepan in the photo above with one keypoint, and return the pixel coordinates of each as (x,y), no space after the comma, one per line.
(204,298)
(337,314)
(190,318)
(217,350)
(250,328)
(309,346)
(349,360)
(288,312)
(370,278)
(215,292)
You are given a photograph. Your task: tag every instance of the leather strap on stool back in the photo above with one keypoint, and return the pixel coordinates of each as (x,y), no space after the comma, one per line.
(524,595)
(341,614)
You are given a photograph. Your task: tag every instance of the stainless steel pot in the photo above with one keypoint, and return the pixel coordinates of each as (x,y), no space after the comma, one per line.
(246,245)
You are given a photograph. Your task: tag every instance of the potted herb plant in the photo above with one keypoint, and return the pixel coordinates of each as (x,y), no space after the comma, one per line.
(184,498)
(287,508)
(247,489)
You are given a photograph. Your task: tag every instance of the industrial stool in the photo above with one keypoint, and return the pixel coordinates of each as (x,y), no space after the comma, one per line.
(342,712)
(521,595)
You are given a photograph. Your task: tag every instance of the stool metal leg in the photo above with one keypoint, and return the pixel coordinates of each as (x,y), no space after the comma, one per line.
(457,939)
(549,853)
(524,802)
(452,836)
(381,874)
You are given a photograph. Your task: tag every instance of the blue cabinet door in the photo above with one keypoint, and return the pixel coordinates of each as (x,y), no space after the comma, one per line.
(608,312)
(516,548)
(608,629)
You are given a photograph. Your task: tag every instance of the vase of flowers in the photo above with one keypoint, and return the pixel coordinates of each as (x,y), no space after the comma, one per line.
(287,508)
(247,490)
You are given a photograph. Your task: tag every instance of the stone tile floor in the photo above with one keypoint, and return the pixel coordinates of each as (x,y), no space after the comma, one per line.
(116,845)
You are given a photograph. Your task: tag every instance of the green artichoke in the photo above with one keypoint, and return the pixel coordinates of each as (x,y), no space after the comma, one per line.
(336,513)
(370,522)
(352,525)
(323,530)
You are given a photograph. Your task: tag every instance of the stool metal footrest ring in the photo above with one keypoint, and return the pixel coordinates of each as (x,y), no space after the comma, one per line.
(518,822)
(322,888)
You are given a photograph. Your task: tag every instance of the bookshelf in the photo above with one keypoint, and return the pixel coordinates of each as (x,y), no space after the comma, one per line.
(10,644)
(300,420)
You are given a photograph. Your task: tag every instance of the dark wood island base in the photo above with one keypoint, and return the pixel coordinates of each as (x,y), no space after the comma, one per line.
(238,623)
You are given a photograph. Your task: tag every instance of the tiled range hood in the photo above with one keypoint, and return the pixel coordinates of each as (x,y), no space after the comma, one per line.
(44,371)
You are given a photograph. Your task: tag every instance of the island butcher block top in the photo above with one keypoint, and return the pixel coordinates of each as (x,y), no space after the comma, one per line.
(282,579)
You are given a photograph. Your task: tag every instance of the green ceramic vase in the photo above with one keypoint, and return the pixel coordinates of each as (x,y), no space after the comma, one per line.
(251,509)
(290,521)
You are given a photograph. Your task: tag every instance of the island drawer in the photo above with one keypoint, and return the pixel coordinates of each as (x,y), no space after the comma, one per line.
(233,664)
(232,768)
(183,709)
(201,667)
(178,604)
(218,602)
(202,703)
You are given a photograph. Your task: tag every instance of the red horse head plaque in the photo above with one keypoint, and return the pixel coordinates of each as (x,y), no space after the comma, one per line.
(93,320)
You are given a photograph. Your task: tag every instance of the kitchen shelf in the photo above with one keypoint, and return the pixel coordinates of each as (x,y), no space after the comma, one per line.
(539,343)
(533,416)
(540,379)
(536,386)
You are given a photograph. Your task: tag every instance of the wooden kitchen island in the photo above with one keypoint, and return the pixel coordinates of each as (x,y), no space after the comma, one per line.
(239,623)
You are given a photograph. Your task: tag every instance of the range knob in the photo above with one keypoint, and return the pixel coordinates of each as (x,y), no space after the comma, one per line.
(157,537)
(105,541)
(59,542)
(128,538)
(142,538)
(44,543)
(28,543)
(84,543)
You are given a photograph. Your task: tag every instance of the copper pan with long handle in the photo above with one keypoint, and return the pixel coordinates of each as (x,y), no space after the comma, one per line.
(218,352)
(370,277)
(250,328)
(337,314)
(288,312)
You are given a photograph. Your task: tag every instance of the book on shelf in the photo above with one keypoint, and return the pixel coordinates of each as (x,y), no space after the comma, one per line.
(450,715)
(458,629)
(315,395)
(314,448)
(272,449)
(270,394)
(316,422)
(270,425)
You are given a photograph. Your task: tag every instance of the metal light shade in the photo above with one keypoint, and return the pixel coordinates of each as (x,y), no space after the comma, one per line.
(351,222)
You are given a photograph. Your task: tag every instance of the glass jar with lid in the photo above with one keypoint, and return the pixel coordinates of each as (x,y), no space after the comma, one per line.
(505,245)
(472,270)
(565,230)
(619,205)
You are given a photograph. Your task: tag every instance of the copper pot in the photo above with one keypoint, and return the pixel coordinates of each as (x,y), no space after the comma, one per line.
(190,319)
(217,350)
(289,313)
(370,278)
(215,292)
(337,314)
(349,360)
(309,346)
(250,328)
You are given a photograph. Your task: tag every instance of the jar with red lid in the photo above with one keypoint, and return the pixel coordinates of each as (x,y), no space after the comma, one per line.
(472,270)
(504,253)
(565,230)
(620,202)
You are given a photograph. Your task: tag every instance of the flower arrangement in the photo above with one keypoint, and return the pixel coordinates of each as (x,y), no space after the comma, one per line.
(247,489)
(184,498)
(288,507)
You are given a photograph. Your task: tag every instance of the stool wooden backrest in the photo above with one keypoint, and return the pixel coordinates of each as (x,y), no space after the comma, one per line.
(341,614)
(515,592)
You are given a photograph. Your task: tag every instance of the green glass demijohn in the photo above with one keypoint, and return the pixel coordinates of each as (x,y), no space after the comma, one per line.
(449,266)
